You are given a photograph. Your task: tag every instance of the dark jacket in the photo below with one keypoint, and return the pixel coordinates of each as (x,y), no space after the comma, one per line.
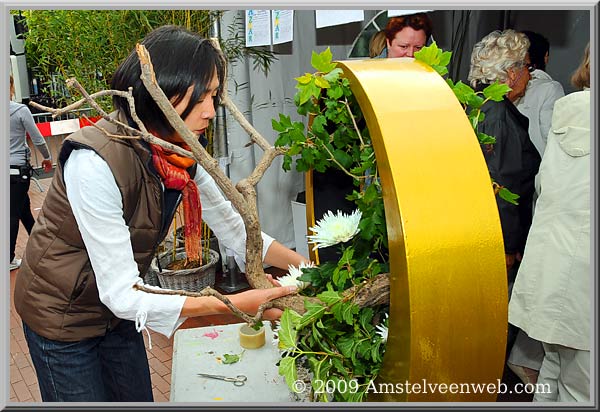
(55,292)
(513,162)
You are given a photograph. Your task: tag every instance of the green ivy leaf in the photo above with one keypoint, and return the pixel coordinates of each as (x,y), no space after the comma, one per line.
(318,125)
(509,196)
(345,345)
(496,91)
(330,297)
(287,368)
(343,158)
(333,75)
(475,101)
(485,138)
(445,58)
(308,91)
(314,311)
(305,79)
(283,124)
(429,55)
(287,330)
(322,61)
(365,318)
(463,92)
(231,358)
(335,92)
(441,70)
(321,82)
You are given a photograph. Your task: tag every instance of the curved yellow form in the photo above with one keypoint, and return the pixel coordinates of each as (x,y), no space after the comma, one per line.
(448,319)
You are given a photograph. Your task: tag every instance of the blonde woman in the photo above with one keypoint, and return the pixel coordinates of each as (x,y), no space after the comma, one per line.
(551,296)
(377,44)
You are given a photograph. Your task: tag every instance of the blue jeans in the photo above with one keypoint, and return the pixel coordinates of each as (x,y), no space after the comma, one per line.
(109,368)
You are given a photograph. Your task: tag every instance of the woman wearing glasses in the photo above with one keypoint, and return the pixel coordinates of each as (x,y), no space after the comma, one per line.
(513,160)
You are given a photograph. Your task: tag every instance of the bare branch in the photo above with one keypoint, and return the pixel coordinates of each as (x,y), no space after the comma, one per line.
(263,164)
(77,104)
(239,117)
(362,143)
(133,112)
(208,291)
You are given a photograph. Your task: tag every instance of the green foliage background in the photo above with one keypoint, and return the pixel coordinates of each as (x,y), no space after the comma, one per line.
(90,44)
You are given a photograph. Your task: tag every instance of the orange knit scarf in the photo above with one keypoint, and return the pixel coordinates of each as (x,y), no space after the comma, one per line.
(172,169)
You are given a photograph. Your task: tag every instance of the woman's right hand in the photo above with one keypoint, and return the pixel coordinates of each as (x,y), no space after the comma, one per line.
(250,300)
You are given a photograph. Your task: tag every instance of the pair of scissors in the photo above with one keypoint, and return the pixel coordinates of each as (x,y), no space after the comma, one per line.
(237,381)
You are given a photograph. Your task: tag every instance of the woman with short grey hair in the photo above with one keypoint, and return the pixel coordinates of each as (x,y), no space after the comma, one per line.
(500,56)
(513,161)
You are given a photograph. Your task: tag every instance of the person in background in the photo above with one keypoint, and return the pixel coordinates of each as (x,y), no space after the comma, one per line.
(512,161)
(537,104)
(541,92)
(21,124)
(551,297)
(406,35)
(377,44)
(109,205)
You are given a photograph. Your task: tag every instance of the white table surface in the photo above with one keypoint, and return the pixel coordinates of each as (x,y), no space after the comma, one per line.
(201,350)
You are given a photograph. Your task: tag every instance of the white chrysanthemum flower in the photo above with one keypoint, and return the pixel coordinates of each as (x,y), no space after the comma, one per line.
(382,329)
(333,229)
(291,278)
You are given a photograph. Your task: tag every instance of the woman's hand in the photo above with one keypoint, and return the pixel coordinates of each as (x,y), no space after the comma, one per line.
(250,300)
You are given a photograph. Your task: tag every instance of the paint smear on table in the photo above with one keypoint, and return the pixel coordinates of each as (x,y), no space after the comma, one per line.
(217,399)
(213,335)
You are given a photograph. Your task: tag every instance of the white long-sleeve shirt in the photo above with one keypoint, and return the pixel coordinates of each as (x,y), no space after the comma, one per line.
(97,205)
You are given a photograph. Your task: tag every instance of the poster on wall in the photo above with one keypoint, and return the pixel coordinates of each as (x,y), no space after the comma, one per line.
(392,13)
(283,26)
(258,28)
(327,18)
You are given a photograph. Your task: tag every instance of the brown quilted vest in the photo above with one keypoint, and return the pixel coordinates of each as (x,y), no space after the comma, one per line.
(55,290)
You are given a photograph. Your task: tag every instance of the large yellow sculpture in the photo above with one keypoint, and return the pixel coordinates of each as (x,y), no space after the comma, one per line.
(448,314)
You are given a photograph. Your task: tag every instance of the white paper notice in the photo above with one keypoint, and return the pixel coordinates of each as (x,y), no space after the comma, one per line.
(283,25)
(326,18)
(258,28)
(392,13)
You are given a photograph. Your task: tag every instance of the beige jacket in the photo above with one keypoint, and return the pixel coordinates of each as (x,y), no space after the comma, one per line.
(551,298)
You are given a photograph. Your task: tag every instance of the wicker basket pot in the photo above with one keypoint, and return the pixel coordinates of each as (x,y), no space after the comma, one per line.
(191,280)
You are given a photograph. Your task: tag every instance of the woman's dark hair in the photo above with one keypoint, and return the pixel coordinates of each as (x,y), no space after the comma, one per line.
(180,59)
(418,21)
(538,47)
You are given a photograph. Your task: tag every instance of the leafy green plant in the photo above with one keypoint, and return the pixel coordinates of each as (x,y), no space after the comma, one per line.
(337,339)
(341,343)
(90,44)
